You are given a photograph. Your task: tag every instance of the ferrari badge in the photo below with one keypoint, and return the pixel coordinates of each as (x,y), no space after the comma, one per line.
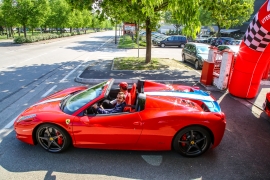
(67,121)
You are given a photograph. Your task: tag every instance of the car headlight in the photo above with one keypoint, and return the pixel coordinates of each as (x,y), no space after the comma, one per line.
(28,117)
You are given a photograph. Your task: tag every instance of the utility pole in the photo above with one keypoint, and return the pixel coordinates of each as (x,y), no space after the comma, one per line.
(138,38)
(115,32)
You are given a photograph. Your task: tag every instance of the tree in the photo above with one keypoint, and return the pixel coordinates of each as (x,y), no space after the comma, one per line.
(60,14)
(226,13)
(41,13)
(8,12)
(169,18)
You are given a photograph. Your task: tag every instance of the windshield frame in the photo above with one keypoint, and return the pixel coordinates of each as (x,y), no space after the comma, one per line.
(76,103)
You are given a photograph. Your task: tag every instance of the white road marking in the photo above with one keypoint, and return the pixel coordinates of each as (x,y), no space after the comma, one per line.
(10,124)
(34,57)
(62,80)
(49,91)
(4,133)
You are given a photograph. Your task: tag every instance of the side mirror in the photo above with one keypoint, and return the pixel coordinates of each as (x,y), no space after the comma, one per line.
(85,119)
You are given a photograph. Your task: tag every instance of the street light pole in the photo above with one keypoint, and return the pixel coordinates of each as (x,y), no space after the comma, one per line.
(115,32)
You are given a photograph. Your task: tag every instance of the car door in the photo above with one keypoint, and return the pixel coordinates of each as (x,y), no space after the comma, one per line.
(187,52)
(176,41)
(193,56)
(108,131)
(169,41)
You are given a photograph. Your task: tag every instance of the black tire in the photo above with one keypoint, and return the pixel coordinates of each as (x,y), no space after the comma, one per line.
(162,45)
(196,65)
(192,141)
(53,138)
(184,58)
(182,46)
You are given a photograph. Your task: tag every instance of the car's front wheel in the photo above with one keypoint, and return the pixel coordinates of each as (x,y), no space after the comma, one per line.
(184,58)
(197,66)
(53,138)
(162,45)
(192,141)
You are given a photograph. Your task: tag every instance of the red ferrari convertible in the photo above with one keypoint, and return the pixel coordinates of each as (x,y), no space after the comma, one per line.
(151,122)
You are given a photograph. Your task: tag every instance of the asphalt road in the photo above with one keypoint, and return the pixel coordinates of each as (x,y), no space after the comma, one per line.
(29,72)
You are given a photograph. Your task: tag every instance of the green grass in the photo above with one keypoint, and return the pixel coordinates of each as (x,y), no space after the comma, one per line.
(134,63)
(126,42)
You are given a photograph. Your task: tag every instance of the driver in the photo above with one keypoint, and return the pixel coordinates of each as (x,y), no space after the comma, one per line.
(123,88)
(119,107)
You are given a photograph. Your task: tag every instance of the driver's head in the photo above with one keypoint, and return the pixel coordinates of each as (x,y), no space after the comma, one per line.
(123,86)
(120,97)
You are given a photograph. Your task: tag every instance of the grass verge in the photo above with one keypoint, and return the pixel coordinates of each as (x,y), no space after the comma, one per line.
(134,63)
(127,42)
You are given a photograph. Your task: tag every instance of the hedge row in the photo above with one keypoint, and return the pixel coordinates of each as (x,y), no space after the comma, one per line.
(44,36)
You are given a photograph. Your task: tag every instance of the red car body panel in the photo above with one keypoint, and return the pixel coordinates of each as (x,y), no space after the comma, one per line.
(267,104)
(152,128)
(154,86)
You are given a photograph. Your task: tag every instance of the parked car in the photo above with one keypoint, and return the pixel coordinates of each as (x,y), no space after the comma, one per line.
(234,48)
(236,42)
(222,40)
(176,40)
(156,121)
(195,53)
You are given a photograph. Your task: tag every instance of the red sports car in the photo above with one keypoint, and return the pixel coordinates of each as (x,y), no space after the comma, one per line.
(267,104)
(152,123)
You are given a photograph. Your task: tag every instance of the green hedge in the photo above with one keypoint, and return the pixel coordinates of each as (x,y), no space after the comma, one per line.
(44,36)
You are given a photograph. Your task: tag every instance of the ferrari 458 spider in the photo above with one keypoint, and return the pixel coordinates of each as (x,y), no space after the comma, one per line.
(158,117)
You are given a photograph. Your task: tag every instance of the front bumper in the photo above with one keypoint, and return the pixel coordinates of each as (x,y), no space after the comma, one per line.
(24,134)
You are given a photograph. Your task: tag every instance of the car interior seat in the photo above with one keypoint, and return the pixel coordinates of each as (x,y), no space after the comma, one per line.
(128,104)
(133,93)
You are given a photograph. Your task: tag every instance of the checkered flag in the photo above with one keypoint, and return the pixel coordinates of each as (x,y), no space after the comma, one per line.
(256,36)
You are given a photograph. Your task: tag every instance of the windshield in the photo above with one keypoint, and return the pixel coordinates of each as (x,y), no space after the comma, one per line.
(77,101)
(202,49)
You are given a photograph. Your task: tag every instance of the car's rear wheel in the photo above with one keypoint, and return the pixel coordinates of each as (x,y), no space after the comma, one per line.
(197,66)
(182,46)
(184,58)
(53,138)
(192,141)
(162,45)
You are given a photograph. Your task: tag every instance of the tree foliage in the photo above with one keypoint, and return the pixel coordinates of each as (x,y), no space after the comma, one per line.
(227,13)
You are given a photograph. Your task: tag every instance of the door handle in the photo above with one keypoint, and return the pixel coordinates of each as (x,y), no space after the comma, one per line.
(137,123)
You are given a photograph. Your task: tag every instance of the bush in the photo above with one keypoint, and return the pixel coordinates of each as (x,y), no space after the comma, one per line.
(19,40)
(45,36)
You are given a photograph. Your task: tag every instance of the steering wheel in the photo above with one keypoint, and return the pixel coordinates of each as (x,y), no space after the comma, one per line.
(94,111)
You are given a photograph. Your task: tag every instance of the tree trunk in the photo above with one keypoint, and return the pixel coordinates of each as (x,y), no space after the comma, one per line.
(32,31)
(24,30)
(218,33)
(148,41)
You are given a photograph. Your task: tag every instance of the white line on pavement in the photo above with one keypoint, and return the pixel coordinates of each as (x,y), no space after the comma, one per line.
(49,91)
(62,80)
(34,57)
(9,125)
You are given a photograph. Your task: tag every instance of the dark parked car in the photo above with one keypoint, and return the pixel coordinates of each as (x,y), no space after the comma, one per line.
(176,40)
(195,53)
(222,40)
